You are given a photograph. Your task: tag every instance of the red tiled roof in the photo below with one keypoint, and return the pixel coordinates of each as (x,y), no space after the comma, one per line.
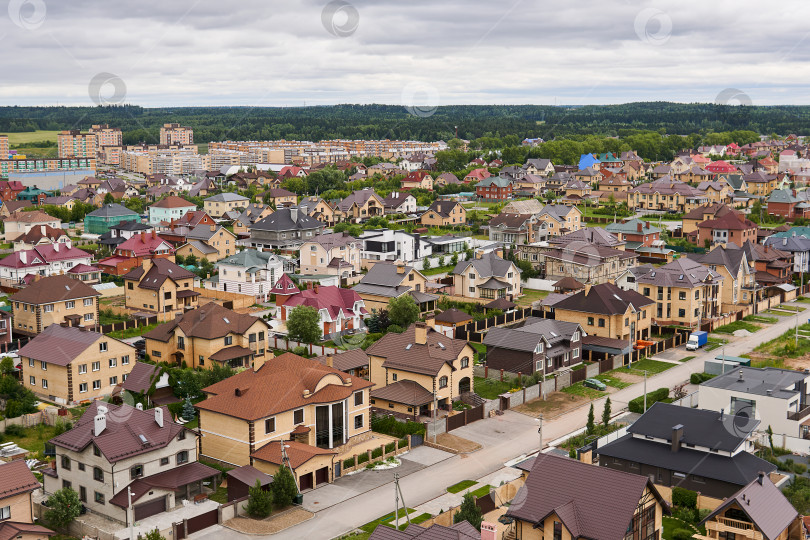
(331,298)
(173,202)
(298,453)
(17,478)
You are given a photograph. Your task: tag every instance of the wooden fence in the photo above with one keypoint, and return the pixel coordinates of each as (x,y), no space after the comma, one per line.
(473,331)
(126,325)
(286,345)
(382,457)
(498,497)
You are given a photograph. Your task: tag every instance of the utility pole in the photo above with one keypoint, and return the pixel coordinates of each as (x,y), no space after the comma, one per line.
(645,390)
(435,414)
(131,515)
(540,434)
(397,496)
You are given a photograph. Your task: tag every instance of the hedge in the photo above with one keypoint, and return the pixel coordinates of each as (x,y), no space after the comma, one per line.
(391,426)
(684,498)
(403,442)
(362,458)
(637,405)
(377,452)
(348,463)
(390,447)
(698,378)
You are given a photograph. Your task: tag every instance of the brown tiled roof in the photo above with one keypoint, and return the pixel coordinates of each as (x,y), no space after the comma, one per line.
(511,221)
(276,387)
(61,345)
(121,438)
(406,392)
(569,282)
(298,453)
(248,476)
(592,502)
(38,233)
(348,360)
(17,478)
(14,529)
(443,208)
(605,299)
(728,221)
(171,479)
(173,202)
(400,351)
(229,353)
(716,209)
(54,289)
(141,377)
(453,316)
(207,322)
(457,531)
(160,270)
(34,216)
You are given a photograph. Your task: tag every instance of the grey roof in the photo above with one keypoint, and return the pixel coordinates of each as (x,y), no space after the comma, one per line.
(201,246)
(333,240)
(773,382)
(488,265)
(131,226)
(202,232)
(281,220)
(250,259)
(789,243)
(381,290)
(704,428)
(358,197)
(526,338)
(386,275)
(556,211)
(730,255)
(631,227)
(112,210)
(592,235)
(539,163)
(683,272)
(227,197)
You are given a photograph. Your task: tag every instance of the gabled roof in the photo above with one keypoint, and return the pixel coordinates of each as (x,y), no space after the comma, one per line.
(333,240)
(406,392)
(401,351)
(34,216)
(298,453)
(489,265)
(683,272)
(210,321)
(604,299)
(17,529)
(729,221)
(144,244)
(141,378)
(61,345)
(251,260)
(494,181)
(173,202)
(51,289)
(335,300)
(281,220)
(458,531)
(631,226)
(112,210)
(526,337)
(596,236)
(284,286)
(359,197)
(160,270)
(729,255)
(17,478)
(227,197)
(347,360)
(453,316)
(443,208)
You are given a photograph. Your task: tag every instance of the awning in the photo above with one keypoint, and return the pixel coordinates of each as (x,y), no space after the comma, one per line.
(787,287)
(229,353)
(187,294)
(493,283)
(171,479)
(605,345)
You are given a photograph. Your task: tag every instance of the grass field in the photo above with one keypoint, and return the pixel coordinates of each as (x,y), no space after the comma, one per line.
(31,136)
(580,389)
(461,486)
(529,296)
(610,380)
(736,325)
(490,388)
(650,366)
(760,319)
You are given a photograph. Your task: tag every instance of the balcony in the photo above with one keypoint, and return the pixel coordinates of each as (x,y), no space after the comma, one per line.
(800,414)
(740,529)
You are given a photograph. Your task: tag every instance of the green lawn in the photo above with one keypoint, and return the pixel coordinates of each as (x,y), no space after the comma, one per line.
(760,319)
(714,343)
(671,524)
(438,270)
(802,299)
(480,492)
(686,358)
(650,366)
(33,438)
(490,388)
(386,520)
(32,136)
(580,389)
(736,325)
(132,332)
(421,518)
(479,350)
(779,313)
(610,380)
(461,486)
(786,307)
(529,296)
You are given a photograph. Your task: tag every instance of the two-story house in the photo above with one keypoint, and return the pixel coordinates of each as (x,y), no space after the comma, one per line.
(732,263)
(132,252)
(360,205)
(400,203)
(559,219)
(728,228)
(385,281)
(213,242)
(422,361)
(317,412)
(389,245)
(160,286)
(339,309)
(286,227)
(539,345)
(53,300)
(19,223)
(247,272)
(68,365)
(486,276)
(218,205)
(118,452)
(207,335)
(168,209)
(515,229)
(331,254)
(444,214)
(16,505)
(280,197)
(44,260)
(494,188)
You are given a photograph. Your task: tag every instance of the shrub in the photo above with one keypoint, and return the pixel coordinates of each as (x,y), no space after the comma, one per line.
(15,430)
(362,458)
(260,502)
(300,351)
(348,463)
(377,452)
(63,507)
(684,498)
(154,534)
(283,487)
(396,329)
(637,405)
(391,426)
(688,515)
(799,468)
(403,442)
(698,378)
(682,534)
(390,447)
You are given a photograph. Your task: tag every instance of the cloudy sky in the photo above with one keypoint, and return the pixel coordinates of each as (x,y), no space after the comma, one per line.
(411,52)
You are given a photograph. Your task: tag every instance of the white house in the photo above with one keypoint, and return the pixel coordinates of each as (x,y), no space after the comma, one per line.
(44,260)
(247,272)
(388,245)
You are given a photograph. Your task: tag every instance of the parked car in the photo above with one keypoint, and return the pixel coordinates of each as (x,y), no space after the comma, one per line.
(595,383)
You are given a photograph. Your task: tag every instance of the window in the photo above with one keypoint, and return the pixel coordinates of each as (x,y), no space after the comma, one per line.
(202,360)
(358,398)
(358,421)
(697,294)
(88,316)
(70,304)
(182,435)
(156,354)
(627,321)
(181,342)
(443,381)
(646,291)
(164,461)
(270,425)
(182,457)
(48,308)
(682,295)
(465,362)
(96,366)
(575,353)
(601,323)
(124,360)
(472,289)
(228,340)
(743,407)
(113,380)
(129,285)
(575,336)
(102,347)
(82,388)
(390,405)
(88,301)
(590,321)
(394,377)
(44,383)
(66,463)
(98,497)
(30,362)
(136,472)
(113,362)
(82,369)
(43,365)
(557,530)
(98,474)
(298,417)
(681,313)
(97,385)
(83,494)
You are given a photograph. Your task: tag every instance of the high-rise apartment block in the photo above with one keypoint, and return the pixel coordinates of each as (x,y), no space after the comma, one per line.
(176,134)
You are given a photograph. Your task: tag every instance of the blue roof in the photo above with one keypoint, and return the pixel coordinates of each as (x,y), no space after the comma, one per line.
(587,160)
(800,231)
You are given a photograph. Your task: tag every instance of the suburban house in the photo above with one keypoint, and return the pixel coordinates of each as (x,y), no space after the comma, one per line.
(45,260)
(663,194)
(251,214)
(150,381)
(21,222)
(160,286)
(700,214)
(566,498)
(560,219)
(212,242)
(728,228)
(53,300)
(772,265)
(732,263)
(494,188)
(607,311)
(247,272)
(486,276)
(317,411)
(444,214)
(16,503)
(539,345)
(169,209)
(101,220)
(286,227)
(788,204)
(385,281)
(68,365)
(433,363)
(336,254)
(122,232)
(339,310)
(797,246)
(360,205)
(211,334)
(218,205)
(685,291)
(635,233)
(132,252)
(280,197)
(758,510)
(515,229)
(400,203)
(585,261)
(775,397)
(695,449)
(539,166)
(118,450)
(477,175)
(392,245)
(41,235)
(352,362)
(417,179)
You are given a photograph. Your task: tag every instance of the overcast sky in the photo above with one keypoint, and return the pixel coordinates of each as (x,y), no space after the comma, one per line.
(422,52)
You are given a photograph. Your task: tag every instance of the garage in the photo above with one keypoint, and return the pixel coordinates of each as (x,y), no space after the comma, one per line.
(305,481)
(322,476)
(150,509)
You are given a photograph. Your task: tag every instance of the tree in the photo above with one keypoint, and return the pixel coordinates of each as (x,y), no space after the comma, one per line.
(590,427)
(769,431)
(178,259)
(606,412)
(191,260)
(403,311)
(63,507)
(378,322)
(283,486)
(426,264)
(109,199)
(304,324)
(441,261)
(260,502)
(154,534)
(188,413)
(454,258)
(7,366)
(469,512)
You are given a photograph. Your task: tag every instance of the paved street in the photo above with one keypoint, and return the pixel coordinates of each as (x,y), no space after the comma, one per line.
(502,438)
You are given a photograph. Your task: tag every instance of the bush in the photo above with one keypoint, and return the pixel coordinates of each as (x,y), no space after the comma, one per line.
(799,468)
(403,442)
(698,378)
(391,426)
(682,534)
(390,447)
(348,463)
(283,487)
(362,458)
(15,430)
(689,515)
(684,498)
(300,351)
(395,328)
(260,502)
(377,452)
(63,507)
(637,405)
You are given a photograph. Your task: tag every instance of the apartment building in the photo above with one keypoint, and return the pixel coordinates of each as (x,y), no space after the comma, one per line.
(75,144)
(51,165)
(53,300)
(176,134)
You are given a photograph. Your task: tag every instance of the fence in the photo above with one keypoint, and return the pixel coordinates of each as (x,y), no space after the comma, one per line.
(238,301)
(689,400)
(473,331)
(397,449)
(80,529)
(498,497)
(287,345)
(126,325)
(539,284)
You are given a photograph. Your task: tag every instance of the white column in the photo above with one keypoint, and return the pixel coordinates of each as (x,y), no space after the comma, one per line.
(331,431)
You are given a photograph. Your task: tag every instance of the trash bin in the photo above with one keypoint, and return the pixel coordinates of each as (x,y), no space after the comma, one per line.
(299,499)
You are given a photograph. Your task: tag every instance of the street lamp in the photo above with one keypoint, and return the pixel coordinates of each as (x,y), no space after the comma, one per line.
(286,461)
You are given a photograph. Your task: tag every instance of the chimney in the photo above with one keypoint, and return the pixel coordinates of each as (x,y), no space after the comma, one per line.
(479,253)
(489,531)
(146,264)
(294,214)
(315,287)
(677,435)
(159,416)
(23,257)
(100,421)
(741,377)
(638,227)
(420,333)
(760,477)
(400,269)
(143,237)
(213,228)
(784,241)
(139,406)
(154,234)
(56,246)
(306,393)
(330,361)
(257,364)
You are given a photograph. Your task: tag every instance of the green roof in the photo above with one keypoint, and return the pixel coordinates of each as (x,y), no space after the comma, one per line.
(631,227)
(799,231)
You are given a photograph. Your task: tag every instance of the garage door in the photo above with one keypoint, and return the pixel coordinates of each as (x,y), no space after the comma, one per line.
(305,481)
(322,476)
(150,509)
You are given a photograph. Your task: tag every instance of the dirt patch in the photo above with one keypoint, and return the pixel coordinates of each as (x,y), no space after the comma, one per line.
(457,443)
(555,402)
(271,525)
(626,377)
